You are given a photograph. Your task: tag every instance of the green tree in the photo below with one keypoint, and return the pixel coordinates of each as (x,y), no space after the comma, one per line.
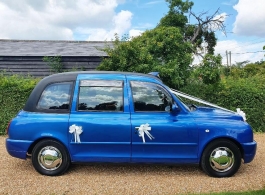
(169,47)
(203,31)
(162,49)
(176,15)
(210,69)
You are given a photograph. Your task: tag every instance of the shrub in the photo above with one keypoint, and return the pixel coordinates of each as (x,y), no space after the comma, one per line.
(14,93)
(210,69)
(55,63)
(248,94)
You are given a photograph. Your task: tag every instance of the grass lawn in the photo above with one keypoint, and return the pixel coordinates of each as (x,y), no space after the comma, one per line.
(258,192)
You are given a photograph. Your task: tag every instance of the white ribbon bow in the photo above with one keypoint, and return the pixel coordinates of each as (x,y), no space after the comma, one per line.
(241,113)
(144,129)
(76,130)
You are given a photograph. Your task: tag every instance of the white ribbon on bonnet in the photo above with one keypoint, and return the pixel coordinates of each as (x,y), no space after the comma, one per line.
(181,94)
(76,130)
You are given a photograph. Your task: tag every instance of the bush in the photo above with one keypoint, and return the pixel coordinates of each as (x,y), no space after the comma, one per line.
(247,71)
(210,69)
(248,94)
(15,90)
(54,62)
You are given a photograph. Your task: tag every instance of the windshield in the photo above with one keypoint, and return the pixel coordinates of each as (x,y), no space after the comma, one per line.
(198,100)
(184,103)
(188,106)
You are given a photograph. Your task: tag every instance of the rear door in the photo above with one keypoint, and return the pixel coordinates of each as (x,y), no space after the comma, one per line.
(99,127)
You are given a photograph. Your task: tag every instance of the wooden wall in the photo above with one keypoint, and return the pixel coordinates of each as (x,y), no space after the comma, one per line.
(34,65)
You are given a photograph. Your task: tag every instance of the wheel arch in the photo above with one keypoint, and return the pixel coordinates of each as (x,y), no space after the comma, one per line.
(30,149)
(222,138)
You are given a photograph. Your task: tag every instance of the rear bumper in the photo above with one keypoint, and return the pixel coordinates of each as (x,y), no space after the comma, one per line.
(249,151)
(17,148)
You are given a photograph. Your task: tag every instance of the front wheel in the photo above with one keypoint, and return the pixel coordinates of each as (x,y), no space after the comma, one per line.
(50,157)
(221,158)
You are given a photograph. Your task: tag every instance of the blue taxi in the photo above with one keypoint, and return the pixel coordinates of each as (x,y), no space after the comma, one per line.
(121,117)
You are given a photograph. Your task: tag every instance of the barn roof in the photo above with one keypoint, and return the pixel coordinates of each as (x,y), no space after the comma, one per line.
(52,48)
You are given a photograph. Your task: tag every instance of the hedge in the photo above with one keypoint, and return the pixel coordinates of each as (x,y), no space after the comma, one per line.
(14,91)
(248,94)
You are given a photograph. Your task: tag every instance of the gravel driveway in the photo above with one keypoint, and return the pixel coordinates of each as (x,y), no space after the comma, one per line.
(19,177)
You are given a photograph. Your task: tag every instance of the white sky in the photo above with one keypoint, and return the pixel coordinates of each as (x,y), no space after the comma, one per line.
(101,19)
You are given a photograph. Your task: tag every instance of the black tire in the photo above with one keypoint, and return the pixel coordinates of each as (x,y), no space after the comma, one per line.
(221,158)
(50,157)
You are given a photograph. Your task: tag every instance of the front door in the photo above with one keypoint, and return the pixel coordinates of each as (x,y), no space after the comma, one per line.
(99,127)
(168,137)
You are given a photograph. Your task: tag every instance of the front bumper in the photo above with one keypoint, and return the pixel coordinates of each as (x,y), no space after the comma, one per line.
(249,151)
(17,148)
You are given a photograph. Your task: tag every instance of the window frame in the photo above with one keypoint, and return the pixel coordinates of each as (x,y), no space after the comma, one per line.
(100,80)
(155,84)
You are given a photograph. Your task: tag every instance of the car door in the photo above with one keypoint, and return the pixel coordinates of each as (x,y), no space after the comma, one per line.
(99,127)
(168,137)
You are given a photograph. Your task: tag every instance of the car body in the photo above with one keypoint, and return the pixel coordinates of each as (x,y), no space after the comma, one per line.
(96,116)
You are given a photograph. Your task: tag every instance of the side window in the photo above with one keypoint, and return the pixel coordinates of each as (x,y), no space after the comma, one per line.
(55,96)
(150,97)
(100,95)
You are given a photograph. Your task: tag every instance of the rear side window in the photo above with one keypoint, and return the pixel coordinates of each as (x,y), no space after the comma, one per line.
(100,95)
(55,96)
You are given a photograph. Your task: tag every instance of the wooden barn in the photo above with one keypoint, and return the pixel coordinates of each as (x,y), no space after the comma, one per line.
(26,56)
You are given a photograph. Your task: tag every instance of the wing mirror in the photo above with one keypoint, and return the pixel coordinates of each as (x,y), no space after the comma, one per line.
(174,109)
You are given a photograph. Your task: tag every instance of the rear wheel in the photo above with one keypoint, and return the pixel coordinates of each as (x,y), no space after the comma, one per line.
(221,158)
(50,157)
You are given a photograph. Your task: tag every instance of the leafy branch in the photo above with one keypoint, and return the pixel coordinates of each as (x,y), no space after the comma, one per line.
(55,63)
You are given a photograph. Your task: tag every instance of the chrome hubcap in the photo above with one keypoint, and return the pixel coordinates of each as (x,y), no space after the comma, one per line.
(221,159)
(50,158)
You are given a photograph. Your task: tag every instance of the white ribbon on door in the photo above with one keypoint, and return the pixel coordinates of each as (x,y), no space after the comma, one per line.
(76,130)
(144,129)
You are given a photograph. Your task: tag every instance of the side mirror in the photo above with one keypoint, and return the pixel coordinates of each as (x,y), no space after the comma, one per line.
(174,109)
